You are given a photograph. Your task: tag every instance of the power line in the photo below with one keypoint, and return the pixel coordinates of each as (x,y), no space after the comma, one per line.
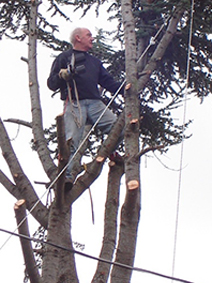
(93,257)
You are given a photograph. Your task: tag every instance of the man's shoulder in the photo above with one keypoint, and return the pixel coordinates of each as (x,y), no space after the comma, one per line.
(65,54)
(94,58)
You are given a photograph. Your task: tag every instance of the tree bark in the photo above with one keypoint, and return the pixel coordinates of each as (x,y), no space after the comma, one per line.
(31,267)
(19,122)
(59,265)
(131,207)
(23,185)
(11,187)
(110,227)
(37,124)
(63,156)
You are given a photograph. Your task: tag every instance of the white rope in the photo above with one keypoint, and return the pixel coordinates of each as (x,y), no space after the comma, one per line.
(152,41)
(182,144)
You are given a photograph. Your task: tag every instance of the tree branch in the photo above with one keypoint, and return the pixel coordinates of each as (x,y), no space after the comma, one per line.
(11,188)
(19,122)
(150,148)
(161,48)
(23,184)
(20,213)
(110,227)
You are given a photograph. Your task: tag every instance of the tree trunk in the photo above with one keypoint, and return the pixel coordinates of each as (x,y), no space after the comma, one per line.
(37,124)
(59,265)
(131,207)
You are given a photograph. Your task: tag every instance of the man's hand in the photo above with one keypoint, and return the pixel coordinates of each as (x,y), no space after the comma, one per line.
(64,74)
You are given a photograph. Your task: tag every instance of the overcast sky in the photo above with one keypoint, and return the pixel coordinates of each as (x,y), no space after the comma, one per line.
(160,185)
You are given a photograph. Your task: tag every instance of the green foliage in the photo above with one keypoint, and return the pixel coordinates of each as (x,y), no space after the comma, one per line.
(14,15)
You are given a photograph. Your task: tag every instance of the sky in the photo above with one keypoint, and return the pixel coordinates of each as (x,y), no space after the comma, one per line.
(160,181)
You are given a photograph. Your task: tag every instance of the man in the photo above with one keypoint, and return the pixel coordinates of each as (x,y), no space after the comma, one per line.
(77,74)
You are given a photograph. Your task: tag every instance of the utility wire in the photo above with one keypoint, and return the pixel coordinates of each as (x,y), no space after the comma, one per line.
(93,257)
(182,144)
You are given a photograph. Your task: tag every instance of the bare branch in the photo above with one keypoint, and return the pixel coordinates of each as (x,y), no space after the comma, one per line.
(150,148)
(23,184)
(25,59)
(19,122)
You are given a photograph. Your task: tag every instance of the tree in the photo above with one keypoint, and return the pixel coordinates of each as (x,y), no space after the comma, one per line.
(156,131)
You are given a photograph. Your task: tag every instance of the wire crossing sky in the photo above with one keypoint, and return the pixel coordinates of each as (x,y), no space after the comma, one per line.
(93,257)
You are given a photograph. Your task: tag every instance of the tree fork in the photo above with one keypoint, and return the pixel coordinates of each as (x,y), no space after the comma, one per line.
(23,185)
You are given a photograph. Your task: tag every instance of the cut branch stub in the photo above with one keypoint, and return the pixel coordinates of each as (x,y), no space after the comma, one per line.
(128,86)
(19,203)
(133,123)
(133,185)
(100,159)
(111,163)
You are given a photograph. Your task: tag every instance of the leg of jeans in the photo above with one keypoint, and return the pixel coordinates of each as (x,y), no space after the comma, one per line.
(73,131)
(95,109)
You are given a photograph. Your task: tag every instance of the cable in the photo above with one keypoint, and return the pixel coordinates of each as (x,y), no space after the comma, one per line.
(93,257)
(182,145)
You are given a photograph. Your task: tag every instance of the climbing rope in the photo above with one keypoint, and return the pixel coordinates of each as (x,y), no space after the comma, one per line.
(182,144)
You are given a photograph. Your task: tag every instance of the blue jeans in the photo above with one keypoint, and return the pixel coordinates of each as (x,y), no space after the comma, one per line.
(88,113)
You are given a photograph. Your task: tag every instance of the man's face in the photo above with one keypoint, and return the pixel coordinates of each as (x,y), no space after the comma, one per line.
(85,40)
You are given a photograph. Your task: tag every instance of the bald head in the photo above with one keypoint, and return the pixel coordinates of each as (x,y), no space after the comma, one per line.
(81,39)
(76,31)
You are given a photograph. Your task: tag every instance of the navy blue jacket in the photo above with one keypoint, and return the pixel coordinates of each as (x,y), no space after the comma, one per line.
(87,81)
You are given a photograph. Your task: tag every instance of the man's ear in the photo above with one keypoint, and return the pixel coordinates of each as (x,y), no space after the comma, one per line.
(78,38)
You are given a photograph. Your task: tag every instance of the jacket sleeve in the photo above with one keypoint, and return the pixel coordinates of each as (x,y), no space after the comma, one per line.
(54,82)
(107,81)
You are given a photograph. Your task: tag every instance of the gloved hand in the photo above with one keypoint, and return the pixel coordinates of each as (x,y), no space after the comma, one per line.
(64,74)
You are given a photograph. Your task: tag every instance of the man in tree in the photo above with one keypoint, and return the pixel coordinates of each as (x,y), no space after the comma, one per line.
(77,74)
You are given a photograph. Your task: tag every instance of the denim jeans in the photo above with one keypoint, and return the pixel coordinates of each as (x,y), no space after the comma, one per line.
(88,113)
